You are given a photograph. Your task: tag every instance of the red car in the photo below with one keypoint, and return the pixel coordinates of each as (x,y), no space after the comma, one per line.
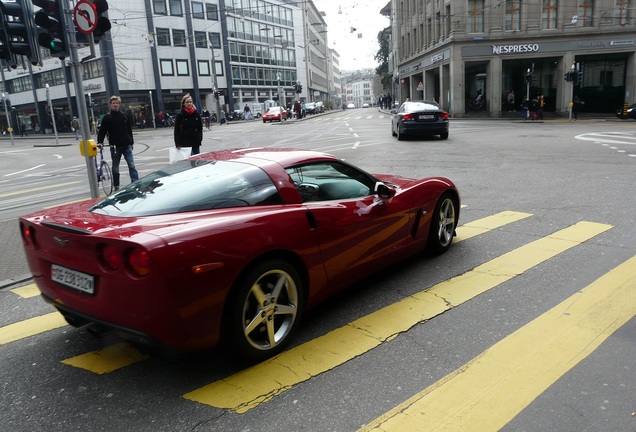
(275,113)
(231,245)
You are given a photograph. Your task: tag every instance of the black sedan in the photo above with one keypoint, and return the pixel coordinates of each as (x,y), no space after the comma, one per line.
(419,118)
(629,113)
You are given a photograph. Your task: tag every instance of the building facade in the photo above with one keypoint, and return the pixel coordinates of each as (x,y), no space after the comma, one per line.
(157,50)
(482,55)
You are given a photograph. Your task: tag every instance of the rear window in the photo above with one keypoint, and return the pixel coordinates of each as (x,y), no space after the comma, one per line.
(192,185)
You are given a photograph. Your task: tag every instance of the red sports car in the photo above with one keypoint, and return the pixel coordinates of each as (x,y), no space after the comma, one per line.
(231,245)
(275,113)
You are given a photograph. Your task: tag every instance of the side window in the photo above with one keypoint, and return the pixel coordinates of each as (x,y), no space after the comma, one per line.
(331,180)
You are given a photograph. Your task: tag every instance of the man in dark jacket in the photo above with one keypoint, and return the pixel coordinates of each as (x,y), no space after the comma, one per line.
(118,127)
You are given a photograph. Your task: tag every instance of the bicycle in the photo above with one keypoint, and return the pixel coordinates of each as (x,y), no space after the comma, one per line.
(104,173)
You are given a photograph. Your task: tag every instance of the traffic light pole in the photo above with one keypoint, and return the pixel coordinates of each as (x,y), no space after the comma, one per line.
(76,70)
(6,112)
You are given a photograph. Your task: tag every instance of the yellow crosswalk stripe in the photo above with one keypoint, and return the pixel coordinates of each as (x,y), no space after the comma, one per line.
(260,383)
(481,226)
(30,327)
(108,359)
(27,291)
(483,395)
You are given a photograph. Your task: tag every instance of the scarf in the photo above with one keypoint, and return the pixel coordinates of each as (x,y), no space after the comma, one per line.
(189,110)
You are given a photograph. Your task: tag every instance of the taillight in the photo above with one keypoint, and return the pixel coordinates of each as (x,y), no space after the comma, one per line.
(139,262)
(408,116)
(443,115)
(109,257)
(28,235)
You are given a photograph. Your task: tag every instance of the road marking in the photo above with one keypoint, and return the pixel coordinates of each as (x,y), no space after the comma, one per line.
(472,229)
(108,359)
(27,291)
(24,191)
(249,388)
(484,394)
(31,327)
(23,171)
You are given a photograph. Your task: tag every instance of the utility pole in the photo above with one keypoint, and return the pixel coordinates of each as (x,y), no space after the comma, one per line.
(48,100)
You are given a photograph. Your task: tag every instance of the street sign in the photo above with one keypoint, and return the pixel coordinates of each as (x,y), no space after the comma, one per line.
(85,16)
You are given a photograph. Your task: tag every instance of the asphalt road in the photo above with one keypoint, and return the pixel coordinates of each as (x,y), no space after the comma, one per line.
(526,324)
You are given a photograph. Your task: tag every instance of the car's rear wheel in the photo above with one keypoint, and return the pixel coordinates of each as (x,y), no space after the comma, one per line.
(443,135)
(400,136)
(266,309)
(443,224)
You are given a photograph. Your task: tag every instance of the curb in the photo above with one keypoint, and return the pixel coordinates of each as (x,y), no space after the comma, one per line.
(8,283)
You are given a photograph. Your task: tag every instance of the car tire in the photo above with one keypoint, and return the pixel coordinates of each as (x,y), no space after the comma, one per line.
(261,321)
(443,135)
(400,136)
(443,224)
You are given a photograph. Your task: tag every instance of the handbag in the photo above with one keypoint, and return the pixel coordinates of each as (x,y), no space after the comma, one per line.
(179,154)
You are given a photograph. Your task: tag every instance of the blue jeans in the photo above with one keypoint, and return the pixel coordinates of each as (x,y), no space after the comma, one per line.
(116,153)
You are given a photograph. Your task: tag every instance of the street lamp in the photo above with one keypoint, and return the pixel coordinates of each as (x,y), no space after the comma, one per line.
(48,98)
(6,112)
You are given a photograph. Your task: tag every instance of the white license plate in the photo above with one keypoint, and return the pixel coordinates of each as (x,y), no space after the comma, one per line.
(426,116)
(71,278)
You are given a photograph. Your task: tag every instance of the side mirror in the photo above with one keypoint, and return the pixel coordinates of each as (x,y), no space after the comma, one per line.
(384,191)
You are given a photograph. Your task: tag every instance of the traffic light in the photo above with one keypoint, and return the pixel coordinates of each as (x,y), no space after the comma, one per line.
(103,23)
(579,77)
(17,33)
(216,95)
(527,78)
(569,76)
(299,88)
(52,33)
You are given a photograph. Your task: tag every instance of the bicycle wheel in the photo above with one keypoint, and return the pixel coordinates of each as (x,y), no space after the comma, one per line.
(106,179)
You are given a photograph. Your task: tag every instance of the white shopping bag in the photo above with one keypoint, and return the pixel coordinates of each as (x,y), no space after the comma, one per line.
(179,154)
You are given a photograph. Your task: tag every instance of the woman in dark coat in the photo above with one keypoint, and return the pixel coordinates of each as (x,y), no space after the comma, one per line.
(188,127)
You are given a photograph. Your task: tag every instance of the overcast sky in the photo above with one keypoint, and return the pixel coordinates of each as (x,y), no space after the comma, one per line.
(357,48)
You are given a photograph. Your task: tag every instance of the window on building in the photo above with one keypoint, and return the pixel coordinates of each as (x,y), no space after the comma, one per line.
(476,16)
(163,37)
(622,15)
(218,68)
(182,68)
(585,13)
(513,15)
(179,37)
(203,68)
(160,7)
(200,39)
(176,8)
(197,10)
(212,11)
(215,39)
(167,67)
(549,14)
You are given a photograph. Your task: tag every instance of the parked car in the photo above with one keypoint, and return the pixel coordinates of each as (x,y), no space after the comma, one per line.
(351,106)
(419,118)
(319,107)
(365,105)
(275,113)
(310,107)
(630,113)
(231,245)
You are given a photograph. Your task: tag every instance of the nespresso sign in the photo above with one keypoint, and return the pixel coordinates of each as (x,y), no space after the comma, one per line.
(515,49)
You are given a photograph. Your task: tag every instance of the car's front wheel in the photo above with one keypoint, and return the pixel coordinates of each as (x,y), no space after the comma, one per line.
(265,310)
(443,224)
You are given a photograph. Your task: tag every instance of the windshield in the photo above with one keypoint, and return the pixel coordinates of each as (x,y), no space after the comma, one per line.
(192,185)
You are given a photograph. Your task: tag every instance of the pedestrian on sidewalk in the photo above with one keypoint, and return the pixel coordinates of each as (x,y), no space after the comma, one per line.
(75,127)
